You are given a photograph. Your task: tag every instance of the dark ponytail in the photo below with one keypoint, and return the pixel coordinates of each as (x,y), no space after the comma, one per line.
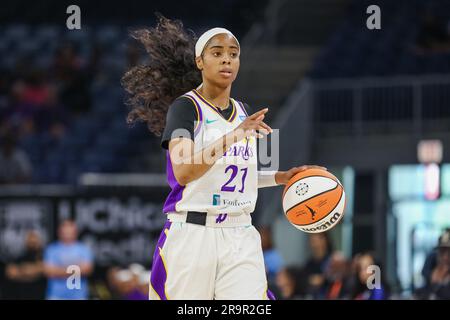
(170,72)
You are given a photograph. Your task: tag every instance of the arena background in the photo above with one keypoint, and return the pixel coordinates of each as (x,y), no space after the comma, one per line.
(359,101)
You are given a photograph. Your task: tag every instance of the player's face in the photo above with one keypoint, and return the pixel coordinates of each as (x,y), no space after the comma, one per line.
(220,60)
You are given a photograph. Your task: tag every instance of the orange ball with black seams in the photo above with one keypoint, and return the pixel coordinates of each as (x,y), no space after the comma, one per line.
(314,200)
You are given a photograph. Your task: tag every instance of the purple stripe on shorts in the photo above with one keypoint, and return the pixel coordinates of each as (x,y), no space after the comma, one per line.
(270,295)
(176,193)
(158,275)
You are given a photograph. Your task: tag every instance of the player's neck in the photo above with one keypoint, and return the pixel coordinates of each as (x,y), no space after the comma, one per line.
(218,96)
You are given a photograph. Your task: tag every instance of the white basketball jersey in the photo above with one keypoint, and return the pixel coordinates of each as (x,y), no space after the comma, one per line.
(230,186)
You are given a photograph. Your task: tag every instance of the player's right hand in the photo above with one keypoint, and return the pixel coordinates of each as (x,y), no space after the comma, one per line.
(254,125)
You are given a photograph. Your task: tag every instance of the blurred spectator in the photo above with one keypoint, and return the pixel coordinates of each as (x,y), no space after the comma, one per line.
(53,117)
(131,283)
(126,284)
(321,250)
(15,167)
(66,59)
(36,88)
(62,254)
(21,112)
(72,80)
(138,273)
(429,265)
(28,96)
(431,261)
(144,284)
(438,286)
(360,289)
(292,283)
(26,274)
(272,258)
(47,111)
(337,277)
(433,35)
(5,87)
(112,283)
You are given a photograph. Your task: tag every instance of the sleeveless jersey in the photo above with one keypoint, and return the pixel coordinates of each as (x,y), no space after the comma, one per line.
(230,186)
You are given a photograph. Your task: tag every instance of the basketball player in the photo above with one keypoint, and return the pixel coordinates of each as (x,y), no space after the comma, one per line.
(208,248)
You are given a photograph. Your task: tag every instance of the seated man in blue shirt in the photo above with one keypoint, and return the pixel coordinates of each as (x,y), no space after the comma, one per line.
(64,261)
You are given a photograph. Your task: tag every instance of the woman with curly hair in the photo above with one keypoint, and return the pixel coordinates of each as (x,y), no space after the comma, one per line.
(209,248)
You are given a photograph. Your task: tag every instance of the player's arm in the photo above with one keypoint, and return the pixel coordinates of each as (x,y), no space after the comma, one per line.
(189,165)
(273,178)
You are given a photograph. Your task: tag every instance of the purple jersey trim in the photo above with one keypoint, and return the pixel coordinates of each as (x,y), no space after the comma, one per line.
(158,275)
(199,114)
(233,116)
(242,107)
(199,96)
(176,193)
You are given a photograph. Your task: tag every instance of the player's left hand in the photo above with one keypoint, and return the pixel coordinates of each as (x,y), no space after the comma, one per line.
(282,177)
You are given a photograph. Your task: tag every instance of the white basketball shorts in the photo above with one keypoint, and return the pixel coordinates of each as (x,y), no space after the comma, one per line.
(202,262)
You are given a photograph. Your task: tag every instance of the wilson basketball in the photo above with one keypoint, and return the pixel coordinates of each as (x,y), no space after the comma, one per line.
(314,200)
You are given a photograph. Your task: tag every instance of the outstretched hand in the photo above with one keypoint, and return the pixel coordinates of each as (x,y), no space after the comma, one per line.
(254,125)
(283,177)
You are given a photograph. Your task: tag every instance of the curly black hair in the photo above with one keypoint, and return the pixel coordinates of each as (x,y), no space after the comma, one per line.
(170,72)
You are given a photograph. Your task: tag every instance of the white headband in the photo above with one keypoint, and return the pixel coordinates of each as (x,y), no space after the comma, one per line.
(204,38)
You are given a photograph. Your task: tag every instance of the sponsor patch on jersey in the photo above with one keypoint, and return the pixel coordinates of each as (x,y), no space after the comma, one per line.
(242,118)
(216,199)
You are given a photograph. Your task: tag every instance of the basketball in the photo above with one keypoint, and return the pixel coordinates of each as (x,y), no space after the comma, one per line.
(314,200)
